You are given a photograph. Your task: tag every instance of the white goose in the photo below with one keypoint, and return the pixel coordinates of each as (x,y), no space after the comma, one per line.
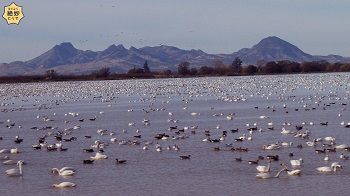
(287,144)
(16,172)
(333,167)
(326,158)
(267,175)
(145,147)
(297,162)
(5,151)
(62,169)
(286,131)
(341,146)
(63,173)
(294,172)
(99,156)
(64,185)
(329,139)
(9,162)
(264,169)
(263,117)
(311,143)
(271,147)
(14,151)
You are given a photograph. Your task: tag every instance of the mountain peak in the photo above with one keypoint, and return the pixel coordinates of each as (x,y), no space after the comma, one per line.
(58,55)
(66,45)
(273,38)
(65,48)
(111,52)
(113,49)
(274,41)
(273,49)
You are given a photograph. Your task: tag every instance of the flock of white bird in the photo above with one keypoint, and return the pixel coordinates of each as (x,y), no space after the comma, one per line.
(149,90)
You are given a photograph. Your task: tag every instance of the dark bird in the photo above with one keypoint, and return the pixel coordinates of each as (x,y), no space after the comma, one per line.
(260,157)
(88,150)
(88,161)
(320,151)
(216,148)
(63,149)
(272,157)
(18,140)
(239,159)
(37,147)
(58,137)
(120,161)
(326,123)
(185,157)
(298,127)
(253,162)
(172,128)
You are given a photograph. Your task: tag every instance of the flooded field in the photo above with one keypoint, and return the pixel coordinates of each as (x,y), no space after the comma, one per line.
(195,136)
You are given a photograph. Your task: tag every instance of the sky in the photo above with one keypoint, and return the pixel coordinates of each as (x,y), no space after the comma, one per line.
(318,27)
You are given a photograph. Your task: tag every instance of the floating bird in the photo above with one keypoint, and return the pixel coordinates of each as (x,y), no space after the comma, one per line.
(271,147)
(10,162)
(264,169)
(343,157)
(54,170)
(120,161)
(99,156)
(297,162)
(61,172)
(185,157)
(294,172)
(64,185)
(88,150)
(273,157)
(333,167)
(18,140)
(326,158)
(267,175)
(253,162)
(88,161)
(16,172)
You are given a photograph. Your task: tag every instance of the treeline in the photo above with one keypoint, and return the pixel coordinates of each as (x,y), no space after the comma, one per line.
(101,74)
(217,68)
(271,67)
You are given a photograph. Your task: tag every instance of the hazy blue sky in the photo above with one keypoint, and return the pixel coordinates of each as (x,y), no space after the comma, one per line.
(318,27)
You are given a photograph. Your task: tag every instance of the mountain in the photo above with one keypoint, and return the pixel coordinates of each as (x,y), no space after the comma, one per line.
(273,49)
(62,54)
(66,59)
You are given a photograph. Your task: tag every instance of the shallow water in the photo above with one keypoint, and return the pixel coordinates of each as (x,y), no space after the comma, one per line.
(319,98)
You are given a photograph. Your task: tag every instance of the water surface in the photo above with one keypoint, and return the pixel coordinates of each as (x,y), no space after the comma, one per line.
(286,101)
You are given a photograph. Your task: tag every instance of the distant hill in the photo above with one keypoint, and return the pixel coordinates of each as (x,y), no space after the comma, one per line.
(66,59)
(273,49)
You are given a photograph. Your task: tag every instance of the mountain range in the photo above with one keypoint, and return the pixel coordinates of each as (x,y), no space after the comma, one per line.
(66,59)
